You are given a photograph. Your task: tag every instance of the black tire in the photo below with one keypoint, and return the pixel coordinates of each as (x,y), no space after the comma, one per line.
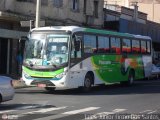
(131,78)
(50,89)
(123,69)
(87,83)
(130,81)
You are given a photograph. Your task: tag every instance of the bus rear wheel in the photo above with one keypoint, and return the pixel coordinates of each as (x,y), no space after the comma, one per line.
(50,89)
(131,78)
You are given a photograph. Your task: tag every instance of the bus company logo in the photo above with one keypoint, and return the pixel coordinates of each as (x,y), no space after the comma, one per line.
(104,62)
(9,117)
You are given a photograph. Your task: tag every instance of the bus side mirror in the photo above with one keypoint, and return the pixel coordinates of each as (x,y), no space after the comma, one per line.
(77,45)
(23,38)
(77,42)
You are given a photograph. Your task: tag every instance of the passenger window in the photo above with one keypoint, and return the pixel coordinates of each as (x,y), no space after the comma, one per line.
(74,52)
(90,44)
(115,45)
(135,46)
(143,47)
(103,44)
(126,46)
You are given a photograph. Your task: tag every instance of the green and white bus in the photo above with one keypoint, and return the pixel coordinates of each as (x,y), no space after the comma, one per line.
(73,57)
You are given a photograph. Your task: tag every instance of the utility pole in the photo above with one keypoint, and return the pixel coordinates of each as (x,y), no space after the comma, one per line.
(38,13)
(135,16)
(135,11)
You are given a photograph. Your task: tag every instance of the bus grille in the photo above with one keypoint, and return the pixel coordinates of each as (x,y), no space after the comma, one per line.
(47,82)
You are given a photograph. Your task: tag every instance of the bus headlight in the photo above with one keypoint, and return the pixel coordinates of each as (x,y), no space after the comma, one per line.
(59,76)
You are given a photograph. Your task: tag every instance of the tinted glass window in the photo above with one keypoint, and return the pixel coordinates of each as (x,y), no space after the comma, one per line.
(126,45)
(103,44)
(135,46)
(115,45)
(143,46)
(90,44)
(148,47)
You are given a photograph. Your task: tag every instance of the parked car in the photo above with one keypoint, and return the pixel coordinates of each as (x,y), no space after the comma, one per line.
(6,89)
(157,65)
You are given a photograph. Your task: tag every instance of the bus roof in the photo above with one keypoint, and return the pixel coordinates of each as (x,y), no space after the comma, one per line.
(90,30)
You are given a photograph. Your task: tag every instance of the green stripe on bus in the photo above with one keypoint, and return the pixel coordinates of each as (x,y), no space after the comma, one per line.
(46,74)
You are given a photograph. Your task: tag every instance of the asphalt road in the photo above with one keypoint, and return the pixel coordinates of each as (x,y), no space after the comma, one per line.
(140,101)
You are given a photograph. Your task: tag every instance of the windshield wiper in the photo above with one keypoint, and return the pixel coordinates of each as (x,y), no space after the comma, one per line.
(54,65)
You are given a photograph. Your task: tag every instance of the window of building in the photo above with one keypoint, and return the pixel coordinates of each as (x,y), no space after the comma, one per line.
(96,8)
(126,46)
(58,3)
(103,44)
(115,45)
(143,47)
(90,44)
(148,47)
(44,2)
(75,5)
(135,46)
(34,1)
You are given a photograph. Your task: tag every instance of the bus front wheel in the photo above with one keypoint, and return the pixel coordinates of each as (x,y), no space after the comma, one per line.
(87,83)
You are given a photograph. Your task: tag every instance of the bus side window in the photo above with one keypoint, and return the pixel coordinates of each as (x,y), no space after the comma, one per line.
(126,45)
(90,44)
(76,53)
(115,45)
(135,46)
(103,44)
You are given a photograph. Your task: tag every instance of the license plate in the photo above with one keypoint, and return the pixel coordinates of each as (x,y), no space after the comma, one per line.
(41,85)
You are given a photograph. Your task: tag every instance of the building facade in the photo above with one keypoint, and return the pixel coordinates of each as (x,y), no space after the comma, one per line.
(53,12)
(63,12)
(143,5)
(124,20)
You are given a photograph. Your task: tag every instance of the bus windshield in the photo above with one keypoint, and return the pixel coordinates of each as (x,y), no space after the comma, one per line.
(46,49)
